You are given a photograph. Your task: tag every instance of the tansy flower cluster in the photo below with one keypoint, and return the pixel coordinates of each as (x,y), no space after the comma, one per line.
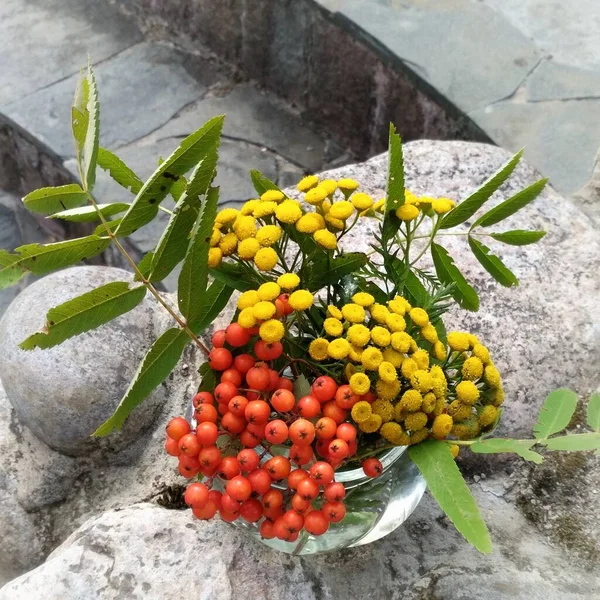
(423,205)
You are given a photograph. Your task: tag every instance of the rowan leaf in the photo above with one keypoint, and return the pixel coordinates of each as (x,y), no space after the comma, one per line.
(395,187)
(446,484)
(577,442)
(92,136)
(492,264)
(556,413)
(329,271)
(197,147)
(593,412)
(448,273)
(501,445)
(84,313)
(519,237)
(467,208)
(301,387)
(119,171)
(155,367)
(208,378)
(79,113)
(210,305)
(49,200)
(10,271)
(88,214)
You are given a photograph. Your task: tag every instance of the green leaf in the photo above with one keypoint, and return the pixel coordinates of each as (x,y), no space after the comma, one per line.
(175,239)
(415,291)
(42,259)
(119,171)
(197,147)
(301,387)
(10,272)
(79,113)
(156,366)
(578,442)
(556,413)
(448,273)
(145,266)
(329,272)
(492,264)
(88,311)
(87,214)
(593,412)
(519,237)
(498,445)
(178,188)
(395,187)
(208,378)
(512,205)
(467,208)
(364,285)
(92,136)
(262,183)
(437,465)
(112,226)
(233,275)
(211,304)
(46,201)
(194,273)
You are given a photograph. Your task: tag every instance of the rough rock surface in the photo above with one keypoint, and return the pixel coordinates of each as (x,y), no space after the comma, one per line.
(144,551)
(64,393)
(543,334)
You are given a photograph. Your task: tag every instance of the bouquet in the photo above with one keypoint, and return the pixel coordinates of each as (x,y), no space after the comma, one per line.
(333,358)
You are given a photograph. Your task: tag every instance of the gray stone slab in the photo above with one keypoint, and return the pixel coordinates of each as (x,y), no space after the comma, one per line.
(555,81)
(43,41)
(260,119)
(560,138)
(466,50)
(140,89)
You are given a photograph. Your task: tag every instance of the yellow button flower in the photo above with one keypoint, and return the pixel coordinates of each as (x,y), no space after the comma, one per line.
(335,223)
(246,318)
(380,336)
(263,310)
(400,341)
(371,425)
(379,206)
(421,380)
(272,196)
(467,392)
(419,317)
(335,312)
(310,222)
(264,209)
(429,333)
(269,291)
(326,239)
(429,402)
(392,432)
(289,281)
(228,244)
(214,257)
(355,353)
(392,356)
(488,415)
(359,335)
(271,331)
(482,353)
(215,238)
(363,299)
(472,369)
(353,313)
(407,212)
(307,183)
(288,211)
(383,408)
(415,421)
(248,248)
(265,259)
(411,401)
(387,372)
(492,376)
(301,300)
(325,206)
(248,299)
(387,391)
(333,327)
(371,358)
(227,215)
(361,411)
(421,357)
(341,210)
(459,342)
(397,306)
(249,206)
(244,227)
(316,195)
(395,322)
(329,185)
(360,383)
(442,205)
(269,235)
(347,185)
(361,201)
(459,411)
(338,349)
(317,349)
(442,426)
(379,312)
(439,351)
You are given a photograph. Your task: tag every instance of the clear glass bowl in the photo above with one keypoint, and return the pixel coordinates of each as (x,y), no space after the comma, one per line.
(374,506)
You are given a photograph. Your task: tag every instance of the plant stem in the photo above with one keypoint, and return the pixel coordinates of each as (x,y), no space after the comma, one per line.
(140,275)
(165,210)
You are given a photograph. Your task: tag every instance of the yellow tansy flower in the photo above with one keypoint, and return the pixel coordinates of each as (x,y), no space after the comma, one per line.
(472,369)
(482,353)
(415,421)
(347,185)
(442,205)
(379,312)
(317,349)
(335,312)
(264,209)
(326,239)
(335,223)
(353,313)
(392,356)
(371,425)
(361,411)
(338,349)
(269,235)
(301,300)
(263,310)
(310,222)
(244,227)
(333,327)
(371,358)
(228,244)
(272,196)
(341,210)
(387,372)
(214,257)
(248,299)
(429,333)
(271,331)
(411,401)
(316,195)
(307,183)
(395,322)
(459,342)
(401,341)
(360,383)
(248,207)
(361,201)
(380,336)
(265,259)
(269,291)
(248,248)
(359,335)
(421,357)
(409,366)
(246,317)
(289,281)
(419,317)
(407,212)
(288,211)
(439,350)
(492,376)
(488,415)
(459,411)
(215,238)
(329,185)
(227,215)
(355,353)
(442,426)
(429,402)
(387,391)
(467,392)
(383,408)
(363,299)
(421,380)
(398,307)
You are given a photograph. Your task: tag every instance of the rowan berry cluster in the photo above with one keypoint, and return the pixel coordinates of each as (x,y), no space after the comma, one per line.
(265,454)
